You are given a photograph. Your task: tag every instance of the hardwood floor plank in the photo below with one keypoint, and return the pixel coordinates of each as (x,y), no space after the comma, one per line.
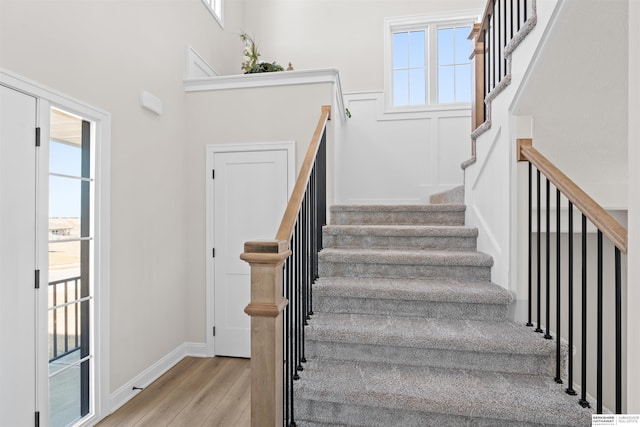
(175,399)
(208,399)
(137,407)
(231,407)
(245,417)
(196,391)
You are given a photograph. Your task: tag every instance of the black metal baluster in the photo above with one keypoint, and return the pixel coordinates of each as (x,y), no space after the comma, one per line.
(498,14)
(583,386)
(296,297)
(493,47)
(618,333)
(291,307)
(558,306)
(538,278)
(286,336)
(599,330)
(510,20)
(506,39)
(66,317)
(547,335)
(55,321)
(570,390)
(77,312)
(518,23)
(530,242)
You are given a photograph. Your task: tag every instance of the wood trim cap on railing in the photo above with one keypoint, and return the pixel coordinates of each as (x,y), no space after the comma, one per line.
(289,218)
(602,219)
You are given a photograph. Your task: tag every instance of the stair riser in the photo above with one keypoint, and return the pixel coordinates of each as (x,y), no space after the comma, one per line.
(342,269)
(432,309)
(432,357)
(313,413)
(397,218)
(399,242)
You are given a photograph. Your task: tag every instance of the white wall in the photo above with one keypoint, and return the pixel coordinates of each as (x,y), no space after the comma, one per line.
(104,53)
(399,158)
(490,183)
(633,291)
(398,161)
(261,114)
(342,34)
(577,97)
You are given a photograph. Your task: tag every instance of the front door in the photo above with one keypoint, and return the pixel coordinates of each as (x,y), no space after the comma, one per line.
(17,257)
(250,193)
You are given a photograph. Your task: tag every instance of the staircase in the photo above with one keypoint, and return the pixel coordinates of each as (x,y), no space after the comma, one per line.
(409,330)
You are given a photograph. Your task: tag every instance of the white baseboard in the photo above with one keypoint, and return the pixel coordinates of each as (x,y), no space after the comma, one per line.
(153,372)
(195,349)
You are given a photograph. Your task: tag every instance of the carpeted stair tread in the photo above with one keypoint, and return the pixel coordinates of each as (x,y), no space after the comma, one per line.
(400,237)
(437,214)
(354,390)
(406,257)
(400,208)
(403,230)
(449,334)
(437,290)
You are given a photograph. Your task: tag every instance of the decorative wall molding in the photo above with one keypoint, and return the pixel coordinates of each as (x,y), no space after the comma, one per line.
(440,111)
(196,66)
(418,151)
(259,80)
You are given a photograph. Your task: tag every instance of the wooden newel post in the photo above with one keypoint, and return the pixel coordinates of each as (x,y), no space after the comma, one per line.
(265,309)
(477,100)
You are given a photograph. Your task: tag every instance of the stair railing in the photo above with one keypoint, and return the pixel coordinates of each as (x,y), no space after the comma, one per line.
(504,24)
(282,272)
(606,226)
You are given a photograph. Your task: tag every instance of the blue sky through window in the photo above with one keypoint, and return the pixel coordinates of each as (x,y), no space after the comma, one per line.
(409,68)
(64,193)
(454,69)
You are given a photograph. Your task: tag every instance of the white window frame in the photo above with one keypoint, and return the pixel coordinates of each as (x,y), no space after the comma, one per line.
(216,8)
(430,23)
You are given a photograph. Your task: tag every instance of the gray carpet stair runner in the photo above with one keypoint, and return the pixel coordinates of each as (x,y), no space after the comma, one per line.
(408,330)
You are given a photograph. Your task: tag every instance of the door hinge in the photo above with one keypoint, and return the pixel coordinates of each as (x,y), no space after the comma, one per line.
(213,252)
(37,279)
(213,174)
(37,137)
(37,419)
(214,331)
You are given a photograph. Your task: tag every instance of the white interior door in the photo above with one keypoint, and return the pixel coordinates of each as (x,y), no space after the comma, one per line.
(17,258)
(250,192)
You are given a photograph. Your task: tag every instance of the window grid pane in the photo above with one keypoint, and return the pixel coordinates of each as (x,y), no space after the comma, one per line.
(454,69)
(409,68)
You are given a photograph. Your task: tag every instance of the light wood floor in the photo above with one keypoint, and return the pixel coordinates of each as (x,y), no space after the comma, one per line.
(195,392)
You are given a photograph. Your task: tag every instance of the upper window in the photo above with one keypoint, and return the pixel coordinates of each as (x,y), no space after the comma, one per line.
(454,65)
(427,61)
(215,7)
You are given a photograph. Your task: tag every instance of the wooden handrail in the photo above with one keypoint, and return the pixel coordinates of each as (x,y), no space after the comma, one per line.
(295,201)
(268,301)
(609,226)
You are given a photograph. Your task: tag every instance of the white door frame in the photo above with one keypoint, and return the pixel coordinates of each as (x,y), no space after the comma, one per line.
(101,134)
(211,150)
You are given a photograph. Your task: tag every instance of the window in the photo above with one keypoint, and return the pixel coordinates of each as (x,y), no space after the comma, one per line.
(427,61)
(454,65)
(70,288)
(409,68)
(215,7)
